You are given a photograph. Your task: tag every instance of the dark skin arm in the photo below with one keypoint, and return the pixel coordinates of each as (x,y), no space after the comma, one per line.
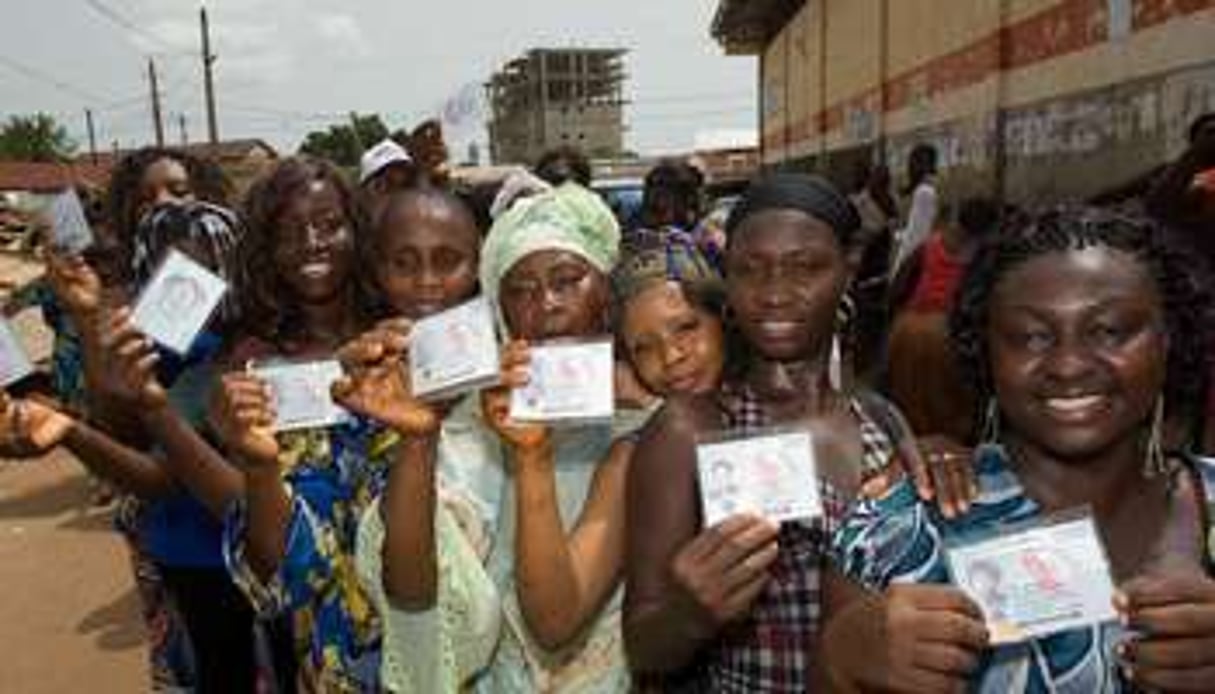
(242,416)
(187,456)
(911,638)
(135,472)
(409,556)
(79,288)
(683,585)
(563,578)
(375,386)
(33,428)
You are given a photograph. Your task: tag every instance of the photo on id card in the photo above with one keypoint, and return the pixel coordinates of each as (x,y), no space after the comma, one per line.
(177,303)
(70,232)
(15,362)
(1036,580)
(301,393)
(454,352)
(570,383)
(770,474)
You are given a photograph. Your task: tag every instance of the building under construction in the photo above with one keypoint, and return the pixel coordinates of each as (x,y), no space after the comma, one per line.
(553,97)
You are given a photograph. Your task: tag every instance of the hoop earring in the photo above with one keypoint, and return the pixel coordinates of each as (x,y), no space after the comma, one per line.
(1155,462)
(991,424)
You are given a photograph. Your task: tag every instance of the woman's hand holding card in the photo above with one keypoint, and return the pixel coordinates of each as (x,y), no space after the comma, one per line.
(376,383)
(242,415)
(495,402)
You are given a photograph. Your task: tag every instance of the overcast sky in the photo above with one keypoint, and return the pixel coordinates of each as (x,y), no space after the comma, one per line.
(288,66)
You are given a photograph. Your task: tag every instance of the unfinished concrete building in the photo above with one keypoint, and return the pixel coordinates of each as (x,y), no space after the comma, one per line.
(553,97)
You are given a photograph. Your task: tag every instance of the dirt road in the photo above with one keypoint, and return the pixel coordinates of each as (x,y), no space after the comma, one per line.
(69,617)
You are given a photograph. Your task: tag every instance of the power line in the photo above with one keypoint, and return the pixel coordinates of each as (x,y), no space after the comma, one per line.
(43,76)
(117,18)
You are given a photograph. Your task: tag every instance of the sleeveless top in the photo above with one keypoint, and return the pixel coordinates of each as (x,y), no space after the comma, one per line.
(769,650)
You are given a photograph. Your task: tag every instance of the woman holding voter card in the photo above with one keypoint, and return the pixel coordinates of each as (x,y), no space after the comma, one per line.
(290,541)
(1083,332)
(175,541)
(515,586)
(733,607)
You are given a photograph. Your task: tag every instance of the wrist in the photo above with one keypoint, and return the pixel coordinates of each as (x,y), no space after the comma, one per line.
(153,412)
(414,443)
(261,473)
(537,455)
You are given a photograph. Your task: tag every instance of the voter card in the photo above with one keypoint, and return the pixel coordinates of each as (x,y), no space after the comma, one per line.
(176,305)
(771,475)
(301,393)
(15,363)
(570,383)
(454,352)
(70,233)
(1037,581)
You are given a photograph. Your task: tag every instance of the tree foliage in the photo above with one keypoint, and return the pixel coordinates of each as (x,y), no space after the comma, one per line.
(344,143)
(36,137)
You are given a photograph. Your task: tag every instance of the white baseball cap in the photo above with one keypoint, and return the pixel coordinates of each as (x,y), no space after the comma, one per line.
(385,153)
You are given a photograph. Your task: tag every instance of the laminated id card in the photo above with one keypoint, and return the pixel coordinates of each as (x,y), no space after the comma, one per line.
(15,363)
(571,383)
(454,352)
(177,303)
(301,393)
(70,232)
(1040,580)
(770,475)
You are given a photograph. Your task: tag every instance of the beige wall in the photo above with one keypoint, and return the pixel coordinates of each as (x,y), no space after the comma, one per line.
(1075,88)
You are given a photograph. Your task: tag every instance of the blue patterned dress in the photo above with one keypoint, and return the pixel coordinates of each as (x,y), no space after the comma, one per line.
(899,539)
(331,475)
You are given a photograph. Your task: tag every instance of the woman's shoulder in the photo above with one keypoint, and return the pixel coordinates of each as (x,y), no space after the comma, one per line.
(1202,469)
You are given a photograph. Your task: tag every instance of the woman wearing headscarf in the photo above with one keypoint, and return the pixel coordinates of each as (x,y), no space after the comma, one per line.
(465,612)
(734,607)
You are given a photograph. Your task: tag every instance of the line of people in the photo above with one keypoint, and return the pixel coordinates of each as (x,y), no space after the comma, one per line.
(431,547)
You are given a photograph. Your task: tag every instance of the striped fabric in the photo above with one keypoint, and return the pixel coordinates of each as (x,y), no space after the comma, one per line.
(769,650)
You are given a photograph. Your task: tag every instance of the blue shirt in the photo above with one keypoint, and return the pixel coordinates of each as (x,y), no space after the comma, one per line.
(178,530)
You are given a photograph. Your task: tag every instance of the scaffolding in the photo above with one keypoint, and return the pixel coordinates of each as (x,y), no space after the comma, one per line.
(553,97)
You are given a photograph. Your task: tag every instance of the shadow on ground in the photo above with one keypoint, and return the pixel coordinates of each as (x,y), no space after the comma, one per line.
(115,625)
(45,501)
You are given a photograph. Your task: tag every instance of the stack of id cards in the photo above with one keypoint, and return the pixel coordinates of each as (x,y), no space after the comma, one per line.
(178,302)
(570,383)
(772,475)
(70,230)
(301,393)
(1036,581)
(454,352)
(15,363)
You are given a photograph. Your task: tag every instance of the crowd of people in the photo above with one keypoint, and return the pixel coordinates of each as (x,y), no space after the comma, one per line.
(960,365)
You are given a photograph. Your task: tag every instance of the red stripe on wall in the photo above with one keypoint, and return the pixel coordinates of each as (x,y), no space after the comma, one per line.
(1068,27)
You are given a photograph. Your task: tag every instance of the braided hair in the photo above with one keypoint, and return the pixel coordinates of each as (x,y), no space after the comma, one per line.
(1185,298)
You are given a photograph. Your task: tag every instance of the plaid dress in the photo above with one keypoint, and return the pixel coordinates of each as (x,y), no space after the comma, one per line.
(768,651)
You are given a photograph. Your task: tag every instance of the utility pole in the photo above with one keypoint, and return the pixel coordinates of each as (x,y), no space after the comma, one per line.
(208,83)
(156,119)
(181,123)
(88,120)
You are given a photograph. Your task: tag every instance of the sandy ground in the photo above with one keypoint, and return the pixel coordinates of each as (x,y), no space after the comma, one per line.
(69,618)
